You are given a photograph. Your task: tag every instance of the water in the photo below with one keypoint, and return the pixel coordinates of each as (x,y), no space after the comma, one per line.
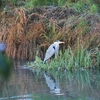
(25,84)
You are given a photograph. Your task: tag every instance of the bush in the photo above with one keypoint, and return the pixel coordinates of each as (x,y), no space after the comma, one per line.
(94,9)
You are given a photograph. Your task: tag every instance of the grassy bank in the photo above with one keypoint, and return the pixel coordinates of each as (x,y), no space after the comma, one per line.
(30,28)
(27,32)
(80,58)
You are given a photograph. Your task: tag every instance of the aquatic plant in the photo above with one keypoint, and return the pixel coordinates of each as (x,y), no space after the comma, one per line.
(69,60)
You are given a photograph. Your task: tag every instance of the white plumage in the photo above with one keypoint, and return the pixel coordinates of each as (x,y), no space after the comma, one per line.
(52,50)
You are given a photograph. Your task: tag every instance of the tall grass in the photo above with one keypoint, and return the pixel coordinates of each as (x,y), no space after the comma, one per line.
(36,29)
(81,58)
(78,5)
(97,57)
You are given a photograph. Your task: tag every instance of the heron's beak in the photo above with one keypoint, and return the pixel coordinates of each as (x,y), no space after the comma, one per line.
(60,42)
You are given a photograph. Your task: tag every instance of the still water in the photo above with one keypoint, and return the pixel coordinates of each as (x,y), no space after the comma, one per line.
(26,84)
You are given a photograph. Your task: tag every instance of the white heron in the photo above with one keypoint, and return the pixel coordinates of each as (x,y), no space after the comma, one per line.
(52,50)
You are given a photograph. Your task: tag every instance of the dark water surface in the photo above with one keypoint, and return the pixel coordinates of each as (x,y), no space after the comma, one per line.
(25,84)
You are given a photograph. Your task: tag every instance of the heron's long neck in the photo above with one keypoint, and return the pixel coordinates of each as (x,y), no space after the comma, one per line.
(56,49)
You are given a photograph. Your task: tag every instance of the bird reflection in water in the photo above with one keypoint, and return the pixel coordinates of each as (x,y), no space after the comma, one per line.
(53,84)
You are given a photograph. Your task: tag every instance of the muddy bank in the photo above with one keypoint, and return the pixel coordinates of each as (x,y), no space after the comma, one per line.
(27,31)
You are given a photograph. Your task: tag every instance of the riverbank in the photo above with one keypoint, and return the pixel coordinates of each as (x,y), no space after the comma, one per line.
(27,31)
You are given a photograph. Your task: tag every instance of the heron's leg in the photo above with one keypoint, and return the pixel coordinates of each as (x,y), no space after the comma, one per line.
(56,54)
(47,61)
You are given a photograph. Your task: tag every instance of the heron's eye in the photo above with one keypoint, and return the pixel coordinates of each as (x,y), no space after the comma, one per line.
(54,47)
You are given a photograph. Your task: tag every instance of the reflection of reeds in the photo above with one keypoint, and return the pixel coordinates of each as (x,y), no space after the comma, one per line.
(80,78)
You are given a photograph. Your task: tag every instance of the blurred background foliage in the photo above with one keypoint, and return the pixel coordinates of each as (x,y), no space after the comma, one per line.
(79,5)
(5,66)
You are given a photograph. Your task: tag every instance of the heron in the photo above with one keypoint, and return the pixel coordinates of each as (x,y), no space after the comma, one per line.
(52,50)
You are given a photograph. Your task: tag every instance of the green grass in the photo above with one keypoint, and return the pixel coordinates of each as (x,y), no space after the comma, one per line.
(94,9)
(81,58)
(79,5)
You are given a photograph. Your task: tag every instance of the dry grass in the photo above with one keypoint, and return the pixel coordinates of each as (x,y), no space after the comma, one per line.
(27,32)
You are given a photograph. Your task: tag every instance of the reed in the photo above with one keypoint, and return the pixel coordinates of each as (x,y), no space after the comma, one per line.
(98,58)
(69,60)
(34,30)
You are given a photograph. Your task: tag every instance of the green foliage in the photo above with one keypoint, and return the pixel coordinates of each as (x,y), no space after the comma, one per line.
(83,58)
(83,6)
(10,1)
(14,1)
(80,59)
(33,3)
(83,26)
(97,57)
(79,5)
(94,9)
(96,2)
(62,2)
(69,60)
(5,66)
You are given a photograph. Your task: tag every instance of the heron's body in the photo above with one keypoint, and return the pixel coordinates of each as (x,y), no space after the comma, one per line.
(52,50)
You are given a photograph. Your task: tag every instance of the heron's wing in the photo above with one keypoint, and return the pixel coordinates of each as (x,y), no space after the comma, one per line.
(49,53)
(56,50)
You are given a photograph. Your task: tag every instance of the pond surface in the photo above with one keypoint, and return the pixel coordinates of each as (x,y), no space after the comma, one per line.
(25,84)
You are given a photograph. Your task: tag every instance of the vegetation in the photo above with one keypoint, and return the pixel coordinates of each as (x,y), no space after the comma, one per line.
(78,5)
(28,27)
(76,22)
(69,60)
(29,32)
(5,66)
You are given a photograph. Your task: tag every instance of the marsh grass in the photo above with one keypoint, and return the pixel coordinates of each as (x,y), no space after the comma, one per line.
(81,58)
(96,56)
(35,31)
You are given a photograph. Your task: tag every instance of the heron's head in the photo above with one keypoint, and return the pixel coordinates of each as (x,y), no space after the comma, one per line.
(59,42)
